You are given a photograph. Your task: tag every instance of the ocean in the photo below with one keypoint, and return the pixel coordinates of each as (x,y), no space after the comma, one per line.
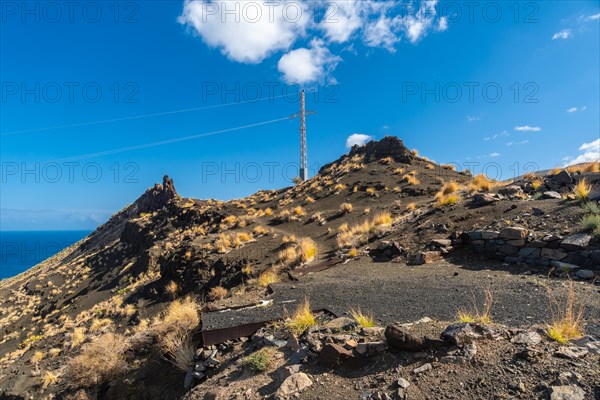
(21,250)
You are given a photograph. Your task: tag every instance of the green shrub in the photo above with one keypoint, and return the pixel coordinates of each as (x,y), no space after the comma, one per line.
(591,208)
(260,360)
(592,222)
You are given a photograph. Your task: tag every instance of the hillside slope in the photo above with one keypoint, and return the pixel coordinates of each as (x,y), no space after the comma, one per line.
(380,203)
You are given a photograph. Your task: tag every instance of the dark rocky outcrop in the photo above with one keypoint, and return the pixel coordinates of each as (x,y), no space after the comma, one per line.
(389,146)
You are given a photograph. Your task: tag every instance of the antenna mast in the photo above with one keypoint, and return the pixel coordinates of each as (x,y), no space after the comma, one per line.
(303,155)
(303,173)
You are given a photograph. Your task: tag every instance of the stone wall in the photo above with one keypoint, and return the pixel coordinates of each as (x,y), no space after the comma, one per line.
(518,245)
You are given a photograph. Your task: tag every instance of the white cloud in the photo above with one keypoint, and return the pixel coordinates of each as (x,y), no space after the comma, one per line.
(416,26)
(380,34)
(358,139)
(308,65)
(590,152)
(342,19)
(517,143)
(251,33)
(564,34)
(472,118)
(527,128)
(442,24)
(576,109)
(494,154)
(593,17)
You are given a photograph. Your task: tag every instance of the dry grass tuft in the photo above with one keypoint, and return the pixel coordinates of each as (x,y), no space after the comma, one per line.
(100,361)
(302,319)
(481,183)
(77,337)
(449,188)
(308,250)
(582,190)
(346,208)
(411,206)
(382,219)
(362,319)
(353,252)
(298,211)
(181,315)
(177,348)
(267,278)
(217,293)
(567,317)
(172,289)
(410,179)
(476,314)
(248,270)
(447,200)
(398,171)
(536,183)
(49,378)
(260,231)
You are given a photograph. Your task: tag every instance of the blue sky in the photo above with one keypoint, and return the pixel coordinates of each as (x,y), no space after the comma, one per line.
(491,86)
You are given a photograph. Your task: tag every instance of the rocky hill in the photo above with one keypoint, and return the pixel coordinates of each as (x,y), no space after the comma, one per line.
(487,290)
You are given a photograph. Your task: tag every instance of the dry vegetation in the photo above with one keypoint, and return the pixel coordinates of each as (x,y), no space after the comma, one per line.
(567,317)
(100,361)
(302,319)
(476,313)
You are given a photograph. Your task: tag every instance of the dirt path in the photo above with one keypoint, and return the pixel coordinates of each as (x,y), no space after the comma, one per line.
(396,292)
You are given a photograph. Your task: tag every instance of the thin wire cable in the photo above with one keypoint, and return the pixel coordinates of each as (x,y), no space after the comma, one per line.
(138,116)
(168,141)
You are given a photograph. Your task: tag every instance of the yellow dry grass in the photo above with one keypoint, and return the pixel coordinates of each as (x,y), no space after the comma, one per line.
(567,317)
(481,183)
(477,314)
(582,189)
(100,361)
(346,208)
(364,320)
(302,319)
(268,277)
(217,293)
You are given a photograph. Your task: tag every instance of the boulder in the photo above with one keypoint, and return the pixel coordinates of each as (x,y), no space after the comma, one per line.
(441,242)
(551,195)
(422,368)
(570,392)
(553,254)
(511,191)
(513,233)
(528,338)
(562,178)
(333,355)
(576,241)
(482,199)
(462,333)
(399,339)
(370,349)
(427,257)
(571,353)
(293,384)
(341,324)
(585,274)
(563,266)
